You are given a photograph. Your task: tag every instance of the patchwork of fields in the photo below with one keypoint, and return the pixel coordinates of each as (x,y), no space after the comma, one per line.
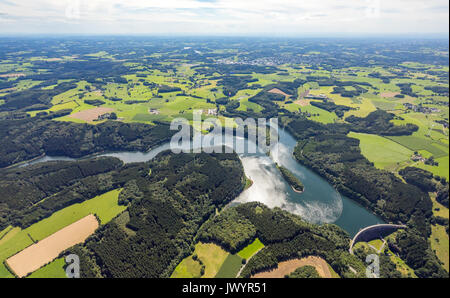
(105,207)
(384,153)
(216,262)
(35,256)
(159,82)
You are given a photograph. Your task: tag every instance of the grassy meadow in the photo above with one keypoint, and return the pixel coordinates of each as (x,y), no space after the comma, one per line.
(383,152)
(211,255)
(248,251)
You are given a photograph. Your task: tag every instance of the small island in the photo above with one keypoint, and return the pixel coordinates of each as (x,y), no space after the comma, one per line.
(248,183)
(293,181)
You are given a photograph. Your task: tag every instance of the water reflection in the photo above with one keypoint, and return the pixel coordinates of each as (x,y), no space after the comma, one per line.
(319,203)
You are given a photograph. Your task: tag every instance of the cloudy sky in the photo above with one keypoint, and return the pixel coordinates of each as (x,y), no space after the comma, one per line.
(223,17)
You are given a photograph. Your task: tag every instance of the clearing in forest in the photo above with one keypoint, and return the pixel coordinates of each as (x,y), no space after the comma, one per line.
(91,114)
(278,91)
(389,94)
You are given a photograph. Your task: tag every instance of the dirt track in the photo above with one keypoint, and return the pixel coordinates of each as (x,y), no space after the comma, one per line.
(287,267)
(46,250)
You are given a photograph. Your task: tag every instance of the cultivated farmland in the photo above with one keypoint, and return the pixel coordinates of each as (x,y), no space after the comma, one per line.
(44,251)
(382,152)
(287,267)
(91,114)
(104,206)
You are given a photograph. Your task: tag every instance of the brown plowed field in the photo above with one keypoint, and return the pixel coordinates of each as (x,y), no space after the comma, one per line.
(389,94)
(12,75)
(278,91)
(287,267)
(91,114)
(302,102)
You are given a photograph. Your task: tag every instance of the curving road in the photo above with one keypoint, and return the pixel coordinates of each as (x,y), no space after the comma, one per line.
(374,232)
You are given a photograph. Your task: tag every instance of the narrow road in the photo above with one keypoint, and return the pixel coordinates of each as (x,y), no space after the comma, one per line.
(242,268)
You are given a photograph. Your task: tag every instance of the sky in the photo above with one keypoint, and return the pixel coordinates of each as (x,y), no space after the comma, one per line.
(224,17)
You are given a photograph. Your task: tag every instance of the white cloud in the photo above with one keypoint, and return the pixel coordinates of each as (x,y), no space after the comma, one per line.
(223,16)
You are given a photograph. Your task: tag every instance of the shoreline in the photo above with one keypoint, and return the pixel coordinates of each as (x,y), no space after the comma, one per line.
(26,163)
(297,191)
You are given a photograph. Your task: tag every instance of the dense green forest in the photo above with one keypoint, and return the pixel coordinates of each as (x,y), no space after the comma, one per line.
(442,196)
(424,180)
(35,99)
(25,139)
(166,210)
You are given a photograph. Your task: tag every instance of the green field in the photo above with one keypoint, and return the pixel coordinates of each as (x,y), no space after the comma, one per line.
(440,170)
(439,244)
(417,143)
(251,249)
(218,263)
(104,206)
(438,208)
(212,257)
(402,267)
(230,267)
(188,268)
(362,106)
(243,96)
(385,105)
(333,273)
(377,243)
(438,149)
(170,105)
(381,151)
(53,270)
(5,231)
(428,128)
(316,114)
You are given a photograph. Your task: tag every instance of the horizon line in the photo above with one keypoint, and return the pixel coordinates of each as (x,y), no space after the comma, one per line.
(408,35)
